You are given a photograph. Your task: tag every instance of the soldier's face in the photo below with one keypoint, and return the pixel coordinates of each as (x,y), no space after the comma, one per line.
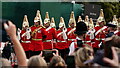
(47,24)
(36,23)
(24,28)
(72,25)
(101,23)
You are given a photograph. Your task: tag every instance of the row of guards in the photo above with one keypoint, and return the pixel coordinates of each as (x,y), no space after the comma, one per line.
(41,37)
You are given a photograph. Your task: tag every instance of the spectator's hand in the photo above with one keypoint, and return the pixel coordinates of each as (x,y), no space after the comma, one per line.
(10,29)
(41,54)
(114,61)
(57,53)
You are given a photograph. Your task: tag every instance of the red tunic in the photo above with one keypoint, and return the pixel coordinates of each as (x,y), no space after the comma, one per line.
(100,36)
(36,40)
(71,36)
(26,43)
(51,34)
(87,39)
(118,33)
(61,43)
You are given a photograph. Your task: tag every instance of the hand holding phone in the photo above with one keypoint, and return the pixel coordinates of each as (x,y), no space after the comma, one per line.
(48,54)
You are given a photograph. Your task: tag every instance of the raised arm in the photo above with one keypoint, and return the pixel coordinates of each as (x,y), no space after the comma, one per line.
(11,31)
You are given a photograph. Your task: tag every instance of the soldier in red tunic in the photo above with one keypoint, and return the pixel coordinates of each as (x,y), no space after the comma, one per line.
(51,33)
(70,31)
(100,31)
(38,34)
(25,36)
(52,24)
(90,34)
(61,38)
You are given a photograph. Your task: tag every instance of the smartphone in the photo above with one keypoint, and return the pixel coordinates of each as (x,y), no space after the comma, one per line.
(48,54)
(3,36)
(70,61)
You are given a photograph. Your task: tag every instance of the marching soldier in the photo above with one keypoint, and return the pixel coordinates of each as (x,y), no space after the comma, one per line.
(61,38)
(25,36)
(38,34)
(51,33)
(90,34)
(100,31)
(52,24)
(70,31)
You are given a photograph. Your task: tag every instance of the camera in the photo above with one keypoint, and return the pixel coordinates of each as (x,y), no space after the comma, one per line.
(3,35)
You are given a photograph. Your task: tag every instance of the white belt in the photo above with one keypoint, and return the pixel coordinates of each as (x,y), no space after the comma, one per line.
(100,39)
(47,41)
(60,41)
(25,41)
(87,41)
(71,39)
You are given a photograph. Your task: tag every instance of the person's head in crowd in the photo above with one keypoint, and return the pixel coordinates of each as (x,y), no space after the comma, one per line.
(5,62)
(57,62)
(83,54)
(112,26)
(37,61)
(81,29)
(113,41)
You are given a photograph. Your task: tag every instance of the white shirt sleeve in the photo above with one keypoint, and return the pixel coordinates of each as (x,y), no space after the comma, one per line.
(72,48)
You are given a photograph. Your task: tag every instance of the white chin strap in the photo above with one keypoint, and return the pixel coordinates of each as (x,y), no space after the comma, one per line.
(52,24)
(61,25)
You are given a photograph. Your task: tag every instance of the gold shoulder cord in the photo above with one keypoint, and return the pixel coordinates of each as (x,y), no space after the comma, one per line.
(35,31)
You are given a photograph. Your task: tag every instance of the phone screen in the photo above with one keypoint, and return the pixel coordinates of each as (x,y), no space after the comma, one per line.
(48,54)
(70,61)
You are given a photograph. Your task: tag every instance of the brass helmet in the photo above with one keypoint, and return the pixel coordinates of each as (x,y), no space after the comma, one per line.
(52,24)
(87,20)
(101,17)
(38,15)
(72,19)
(47,19)
(62,23)
(25,22)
